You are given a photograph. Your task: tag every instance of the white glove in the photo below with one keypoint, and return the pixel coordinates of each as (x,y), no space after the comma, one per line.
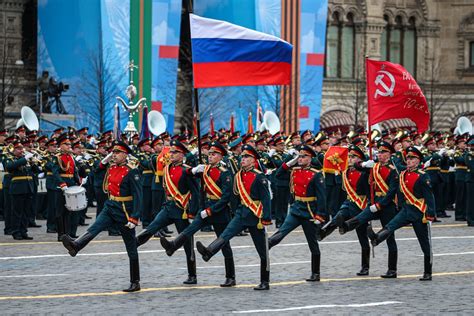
(198,169)
(368,164)
(1,167)
(107,159)
(450,152)
(427,164)
(79,158)
(130,225)
(41,175)
(84,181)
(373,208)
(292,151)
(203,214)
(194,151)
(64,188)
(271,152)
(87,157)
(317,222)
(269,172)
(292,162)
(28,156)
(442,151)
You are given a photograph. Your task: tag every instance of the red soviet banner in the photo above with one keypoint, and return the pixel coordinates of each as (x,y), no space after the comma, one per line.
(392,93)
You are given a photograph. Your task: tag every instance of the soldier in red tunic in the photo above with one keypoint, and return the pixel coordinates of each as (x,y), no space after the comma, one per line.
(121,209)
(417,207)
(252,193)
(309,206)
(181,203)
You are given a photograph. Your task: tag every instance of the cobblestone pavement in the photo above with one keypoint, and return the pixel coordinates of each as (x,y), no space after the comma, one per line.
(39,277)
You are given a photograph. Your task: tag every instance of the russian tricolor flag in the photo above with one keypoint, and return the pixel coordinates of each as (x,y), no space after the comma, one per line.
(225,54)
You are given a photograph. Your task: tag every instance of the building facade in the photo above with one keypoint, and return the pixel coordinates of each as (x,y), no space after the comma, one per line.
(432,39)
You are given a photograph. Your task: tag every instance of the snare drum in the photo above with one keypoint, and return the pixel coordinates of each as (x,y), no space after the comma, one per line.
(42,185)
(75,198)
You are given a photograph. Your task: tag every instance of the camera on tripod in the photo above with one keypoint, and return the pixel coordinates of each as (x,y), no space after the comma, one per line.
(51,93)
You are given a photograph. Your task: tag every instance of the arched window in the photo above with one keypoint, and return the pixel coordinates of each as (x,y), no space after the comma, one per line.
(398,43)
(340,39)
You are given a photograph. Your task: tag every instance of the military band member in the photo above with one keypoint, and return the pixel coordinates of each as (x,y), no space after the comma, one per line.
(469,158)
(181,203)
(3,136)
(461,171)
(254,212)
(51,187)
(306,185)
(417,208)
(432,166)
(121,209)
(356,184)
(21,189)
(218,191)
(385,179)
(146,180)
(65,174)
(7,204)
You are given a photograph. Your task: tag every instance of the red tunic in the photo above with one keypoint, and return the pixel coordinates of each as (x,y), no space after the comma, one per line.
(116,175)
(214,173)
(67,161)
(301,180)
(248,177)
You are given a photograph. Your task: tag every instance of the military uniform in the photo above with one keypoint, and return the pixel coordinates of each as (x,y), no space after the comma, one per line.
(218,191)
(309,207)
(21,191)
(121,210)
(460,176)
(7,205)
(281,194)
(385,179)
(252,197)
(181,203)
(436,180)
(417,207)
(469,158)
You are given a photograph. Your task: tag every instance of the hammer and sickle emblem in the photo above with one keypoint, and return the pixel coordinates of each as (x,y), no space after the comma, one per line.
(386,91)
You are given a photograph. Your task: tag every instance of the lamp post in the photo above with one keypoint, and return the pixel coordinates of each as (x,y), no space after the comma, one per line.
(130,107)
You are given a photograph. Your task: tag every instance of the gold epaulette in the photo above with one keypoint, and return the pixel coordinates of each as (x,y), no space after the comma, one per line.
(257,171)
(186,166)
(132,165)
(420,171)
(314,170)
(296,168)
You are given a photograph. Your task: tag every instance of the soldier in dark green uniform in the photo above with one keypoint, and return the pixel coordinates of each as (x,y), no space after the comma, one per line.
(432,165)
(21,189)
(417,207)
(7,205)
(51,187)
(461,171)
(121,209)
(144,150)
(469,158)
(252,193)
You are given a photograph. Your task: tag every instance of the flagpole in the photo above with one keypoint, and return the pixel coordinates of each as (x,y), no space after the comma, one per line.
(371,176)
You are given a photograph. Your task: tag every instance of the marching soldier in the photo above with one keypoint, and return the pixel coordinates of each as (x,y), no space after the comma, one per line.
(385,177)
(7,205)
(121,209)
(218,189)
(356,184)
(181,203)
(417,207)
(432,165)
(21,189)
(254,212)
(309,206)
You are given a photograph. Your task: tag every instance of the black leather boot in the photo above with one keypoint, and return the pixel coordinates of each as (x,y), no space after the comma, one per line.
(315,267)
(377,238)
(428,268)
(349,225)
(143,237)
(172,246)
(211,250)
(327,229)
(74,246)
(365,262)
(229,272)
(275,239)
(134,276)
(392,266)
(192,278)
(264,277)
